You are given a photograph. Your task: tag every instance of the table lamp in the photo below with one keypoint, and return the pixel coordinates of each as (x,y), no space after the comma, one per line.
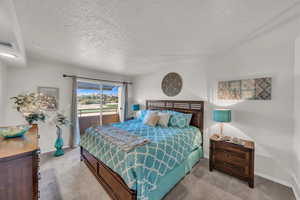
(134,108)
(222,116)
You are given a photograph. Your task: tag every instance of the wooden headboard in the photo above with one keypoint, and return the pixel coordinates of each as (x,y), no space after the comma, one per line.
(194,107)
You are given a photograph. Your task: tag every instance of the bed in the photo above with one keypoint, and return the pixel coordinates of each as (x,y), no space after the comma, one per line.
(150,171)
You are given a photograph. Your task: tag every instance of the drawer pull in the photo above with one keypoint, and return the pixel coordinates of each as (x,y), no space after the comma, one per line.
(39,176)
(38,151)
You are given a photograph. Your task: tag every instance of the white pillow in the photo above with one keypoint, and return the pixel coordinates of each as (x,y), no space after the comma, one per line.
(151,118)
(164,119)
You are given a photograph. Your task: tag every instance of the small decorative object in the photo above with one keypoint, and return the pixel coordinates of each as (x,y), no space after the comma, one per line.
(49,98)
(14,131)
(134,108)
(29,105)
(222,116)
(238,141)
(59,121)
(248,89)
(171,84)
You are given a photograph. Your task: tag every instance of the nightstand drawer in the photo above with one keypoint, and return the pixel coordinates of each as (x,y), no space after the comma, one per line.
(229,147)
(236,158)
(231,169)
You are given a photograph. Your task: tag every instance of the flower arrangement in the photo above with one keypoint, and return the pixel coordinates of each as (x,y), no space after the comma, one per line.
(60,120)
(27,103)
(30,107)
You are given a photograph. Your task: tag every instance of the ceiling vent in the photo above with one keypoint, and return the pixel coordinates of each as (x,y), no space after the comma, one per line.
(6,44)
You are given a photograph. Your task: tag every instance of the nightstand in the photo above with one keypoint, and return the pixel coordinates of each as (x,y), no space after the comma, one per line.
(234,159)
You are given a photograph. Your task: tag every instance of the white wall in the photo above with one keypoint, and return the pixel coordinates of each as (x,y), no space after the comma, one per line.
(42,73)
(268,123)
(194,82)
(3,86)
(296,164)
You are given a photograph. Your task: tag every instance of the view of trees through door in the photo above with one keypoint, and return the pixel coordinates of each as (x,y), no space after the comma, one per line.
(98,104)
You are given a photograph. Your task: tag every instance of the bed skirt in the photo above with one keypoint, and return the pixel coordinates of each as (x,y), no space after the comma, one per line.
(173,178)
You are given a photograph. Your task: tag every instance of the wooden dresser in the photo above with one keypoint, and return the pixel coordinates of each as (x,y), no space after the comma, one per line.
(19,167)
(233,159)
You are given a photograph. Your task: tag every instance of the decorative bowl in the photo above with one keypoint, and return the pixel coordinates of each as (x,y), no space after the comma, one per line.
(14,131)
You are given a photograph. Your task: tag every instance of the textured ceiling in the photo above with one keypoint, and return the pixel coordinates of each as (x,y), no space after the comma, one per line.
(138,36)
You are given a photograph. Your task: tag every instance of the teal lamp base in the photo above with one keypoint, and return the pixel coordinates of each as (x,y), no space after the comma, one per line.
(59,152)
(59,143)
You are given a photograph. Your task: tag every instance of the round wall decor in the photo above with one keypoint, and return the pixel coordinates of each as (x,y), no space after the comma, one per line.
(171,84)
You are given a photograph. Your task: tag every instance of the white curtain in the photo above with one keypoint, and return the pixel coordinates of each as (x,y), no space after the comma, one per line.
(75,134)
(123,98)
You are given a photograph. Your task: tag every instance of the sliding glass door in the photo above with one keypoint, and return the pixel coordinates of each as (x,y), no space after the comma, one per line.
(110,102)
(98,104)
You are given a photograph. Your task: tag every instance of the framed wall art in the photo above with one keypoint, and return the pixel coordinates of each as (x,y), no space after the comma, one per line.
(50,98)
(247,89)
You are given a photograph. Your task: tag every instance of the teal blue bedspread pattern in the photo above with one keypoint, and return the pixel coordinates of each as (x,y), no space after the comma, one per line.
(143,167)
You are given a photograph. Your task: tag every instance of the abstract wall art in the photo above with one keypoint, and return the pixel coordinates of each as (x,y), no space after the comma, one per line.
(247,89)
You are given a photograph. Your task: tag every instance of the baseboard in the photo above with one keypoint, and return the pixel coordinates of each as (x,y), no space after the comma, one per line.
(296,187)
(53,150)
(282,182)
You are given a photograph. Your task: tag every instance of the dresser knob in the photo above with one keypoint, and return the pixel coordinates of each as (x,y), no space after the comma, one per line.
(39,176)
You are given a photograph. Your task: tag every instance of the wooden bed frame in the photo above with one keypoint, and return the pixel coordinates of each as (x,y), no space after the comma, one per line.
(113,182)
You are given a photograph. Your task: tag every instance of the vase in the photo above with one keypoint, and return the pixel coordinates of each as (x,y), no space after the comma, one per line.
(59,143)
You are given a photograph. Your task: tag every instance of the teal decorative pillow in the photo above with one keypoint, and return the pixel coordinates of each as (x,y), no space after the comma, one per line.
(171,112)
(178,119)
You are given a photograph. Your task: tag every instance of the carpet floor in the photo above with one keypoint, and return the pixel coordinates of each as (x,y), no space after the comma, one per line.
(66,178)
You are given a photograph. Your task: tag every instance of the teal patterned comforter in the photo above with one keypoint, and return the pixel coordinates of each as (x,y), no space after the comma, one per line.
(143,167)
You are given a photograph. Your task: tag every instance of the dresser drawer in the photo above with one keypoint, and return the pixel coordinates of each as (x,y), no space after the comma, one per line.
(233,157)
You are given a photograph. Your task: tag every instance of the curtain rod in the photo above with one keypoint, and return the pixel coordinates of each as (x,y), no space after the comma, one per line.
(95,79)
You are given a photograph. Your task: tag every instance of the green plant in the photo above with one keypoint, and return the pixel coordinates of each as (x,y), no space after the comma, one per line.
(27,103)
(35,117)
(30,107)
